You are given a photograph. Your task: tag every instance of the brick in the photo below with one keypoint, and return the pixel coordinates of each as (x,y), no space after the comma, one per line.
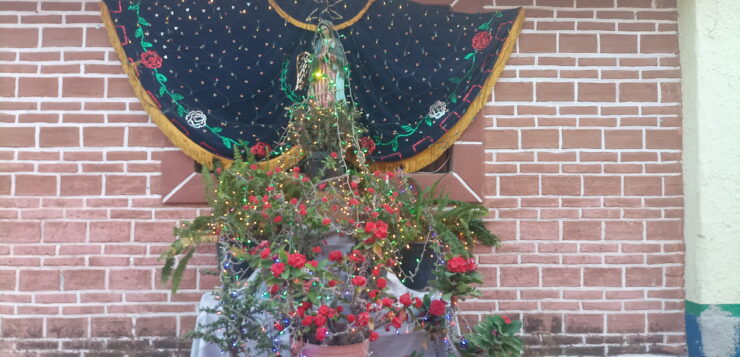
(110,231)
(125,185)
(602,185)
(539,138)
(519,276)
(156,326)
(670,92)
(625,323)
(17,137)
(81,185)
(581,139)
(658,43)
(19,37)
(65,232)
(577,43)
(7,280)
(119,88)
(82,87)
(537,43)
(22,327)
(38,87)
(539,230)
(102,136)
(147,137)
(642,186)
(59,136)
(61,37)
(583,230)
(39,280)
(130,279)
(638,92)
(584,323)
(513,91)
(610,43)
(66,327)
(664,230)
(519,185)
(663,139)
(85,279)
(644,276)
(159,231)
(561,185)
(623,139)
(611,277)
(623,230)
(111,326)
(20,231)
(555,91)
(597,92)
(666,322)
(96,37)
(560,277)
(35,185)
(543,323)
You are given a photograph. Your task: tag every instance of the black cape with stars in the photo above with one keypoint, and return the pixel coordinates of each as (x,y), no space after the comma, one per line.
(221,71)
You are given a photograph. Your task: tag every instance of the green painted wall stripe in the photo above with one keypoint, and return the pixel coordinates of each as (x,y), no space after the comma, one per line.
(696,309)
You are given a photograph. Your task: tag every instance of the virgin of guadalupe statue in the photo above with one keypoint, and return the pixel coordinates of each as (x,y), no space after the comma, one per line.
(328,77)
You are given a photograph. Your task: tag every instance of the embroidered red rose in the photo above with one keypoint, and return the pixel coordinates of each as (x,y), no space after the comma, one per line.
(437,307)
(481,40)
(260,149)
(367,145)
(151,59)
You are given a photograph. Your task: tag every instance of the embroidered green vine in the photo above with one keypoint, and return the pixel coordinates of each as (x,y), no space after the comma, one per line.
(151,60)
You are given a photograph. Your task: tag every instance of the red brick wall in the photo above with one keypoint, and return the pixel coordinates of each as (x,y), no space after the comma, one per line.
(583,150)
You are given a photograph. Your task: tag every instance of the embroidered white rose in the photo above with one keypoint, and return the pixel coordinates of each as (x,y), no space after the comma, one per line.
(437,110)
(196,119)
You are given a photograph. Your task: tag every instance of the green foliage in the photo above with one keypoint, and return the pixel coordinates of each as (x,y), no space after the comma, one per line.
(494,337)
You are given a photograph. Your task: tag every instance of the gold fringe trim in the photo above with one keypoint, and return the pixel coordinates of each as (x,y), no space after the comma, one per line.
(430,154)
(310,27)
(190,148)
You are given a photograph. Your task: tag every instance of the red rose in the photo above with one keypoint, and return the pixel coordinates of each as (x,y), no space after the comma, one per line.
(471,264)
(373,335)
(437,307)
(506,319)
(376,271)
(313,263)
(332,283)
(359,281)
(351,318)
(369,227)
(481,40)
(334,155)
(316,249)
(457,265)
(274,289)
(335,256)
(319,320)
(381,230)
(367,145)
(151,59)
(418,302)
(277,269)
(307,321)
(326,221)
(405,299)
(396,322)
(277,219)
(278,326)
(321,333)
(386,301)
(363,319)
(381,283)
(260,149)
(297,260)
(373,294)
(356,256)
(265,253)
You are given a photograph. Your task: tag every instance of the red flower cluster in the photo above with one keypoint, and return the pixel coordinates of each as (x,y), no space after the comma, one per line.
(461,265)
(437,307)
(297,260)
(379,229)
